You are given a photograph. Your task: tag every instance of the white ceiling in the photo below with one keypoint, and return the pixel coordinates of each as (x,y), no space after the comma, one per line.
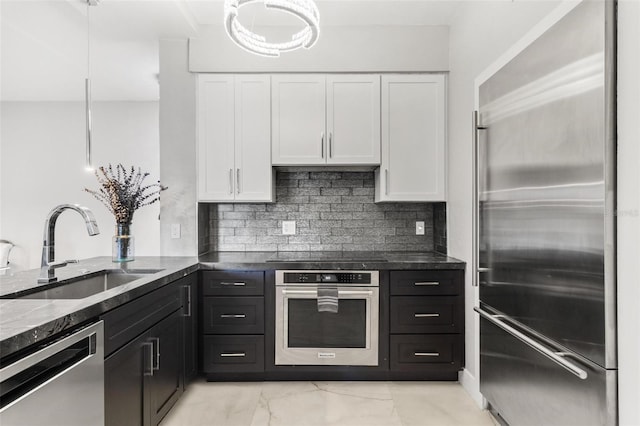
(44,42)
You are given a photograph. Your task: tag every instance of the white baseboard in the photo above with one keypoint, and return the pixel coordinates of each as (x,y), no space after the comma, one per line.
(471,384)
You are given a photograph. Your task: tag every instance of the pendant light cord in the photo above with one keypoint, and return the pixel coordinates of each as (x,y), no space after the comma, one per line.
(87,93)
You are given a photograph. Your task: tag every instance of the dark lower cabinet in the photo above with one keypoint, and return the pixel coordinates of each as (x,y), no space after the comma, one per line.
(144,378)
(152,348)
(165,383)
(124,379)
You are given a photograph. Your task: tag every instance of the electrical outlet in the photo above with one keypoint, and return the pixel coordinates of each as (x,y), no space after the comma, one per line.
(288,227)
(419,227)
(175,230)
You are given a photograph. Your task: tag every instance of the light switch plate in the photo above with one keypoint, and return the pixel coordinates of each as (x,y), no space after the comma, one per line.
(175,230)
(288,227)
(419,227)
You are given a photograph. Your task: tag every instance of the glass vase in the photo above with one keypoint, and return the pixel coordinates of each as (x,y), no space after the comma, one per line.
(122,248)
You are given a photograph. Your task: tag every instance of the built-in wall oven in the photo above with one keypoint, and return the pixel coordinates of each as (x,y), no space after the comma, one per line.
(327,318)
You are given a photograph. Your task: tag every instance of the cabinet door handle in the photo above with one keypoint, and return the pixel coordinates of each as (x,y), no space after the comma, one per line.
(236,284)
(148,348)
(230,181)
(155,342)
(330,144)
(187,304)
(233,355)
(233,316)
(322,144)
(238,181)
(427,283)
(426,354)
(386,181)
(426,315)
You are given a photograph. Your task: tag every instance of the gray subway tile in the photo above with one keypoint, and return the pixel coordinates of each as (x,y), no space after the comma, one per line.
(362,191)
(249,207)
(238,215)
(315,207)
(303,215)
(329,199)
(346,207)
(347,184)
(325,247)
(337,239)
(239,239)
(304,239)
(293,247)
(336,215)
(336,191)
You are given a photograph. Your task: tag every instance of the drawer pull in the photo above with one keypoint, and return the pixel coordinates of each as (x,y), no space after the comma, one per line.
(234,355)
(236,284)
(426,315)
(424,283)
(233,316)
(426,354)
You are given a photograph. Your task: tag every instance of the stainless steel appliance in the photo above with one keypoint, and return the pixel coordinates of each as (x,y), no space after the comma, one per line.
(307,335)
(546,229)
(61,383)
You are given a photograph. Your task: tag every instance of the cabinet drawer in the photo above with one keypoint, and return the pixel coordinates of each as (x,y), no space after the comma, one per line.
(233,354)
(426,282)
(233,315)
(425,314)
(233,283)
(408,352)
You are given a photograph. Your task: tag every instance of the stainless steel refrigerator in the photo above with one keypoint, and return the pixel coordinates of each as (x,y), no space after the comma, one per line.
(545,150)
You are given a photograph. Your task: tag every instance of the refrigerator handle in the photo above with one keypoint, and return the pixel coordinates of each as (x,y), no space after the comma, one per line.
(476,200)
(557,357)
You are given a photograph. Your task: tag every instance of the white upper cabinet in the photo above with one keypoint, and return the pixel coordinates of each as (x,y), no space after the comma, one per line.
(326,119)
(413,164)
(234,145)
(353,119)
(298,108)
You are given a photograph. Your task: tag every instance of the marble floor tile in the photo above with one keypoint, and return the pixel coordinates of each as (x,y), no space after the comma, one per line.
(326,404)
(438,404)
(215,404)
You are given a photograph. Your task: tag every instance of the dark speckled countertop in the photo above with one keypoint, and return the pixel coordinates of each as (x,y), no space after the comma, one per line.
(24,322)
(374,260)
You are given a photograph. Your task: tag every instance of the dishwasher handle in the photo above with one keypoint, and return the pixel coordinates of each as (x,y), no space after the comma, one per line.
(50,350)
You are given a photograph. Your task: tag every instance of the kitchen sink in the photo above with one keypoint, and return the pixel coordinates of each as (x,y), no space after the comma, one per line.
(88,285)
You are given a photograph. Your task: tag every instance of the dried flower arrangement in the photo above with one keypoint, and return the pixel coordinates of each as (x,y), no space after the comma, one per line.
(122,191)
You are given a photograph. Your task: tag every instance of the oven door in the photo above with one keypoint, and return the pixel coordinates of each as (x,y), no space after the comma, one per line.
(305,336)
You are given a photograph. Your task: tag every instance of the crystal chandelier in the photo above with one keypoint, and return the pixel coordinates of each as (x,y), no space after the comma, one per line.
(306,10)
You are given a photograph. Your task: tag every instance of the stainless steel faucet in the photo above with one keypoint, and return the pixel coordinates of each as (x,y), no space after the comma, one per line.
(48,265)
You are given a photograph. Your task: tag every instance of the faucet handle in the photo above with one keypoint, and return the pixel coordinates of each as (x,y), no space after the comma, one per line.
(72,261)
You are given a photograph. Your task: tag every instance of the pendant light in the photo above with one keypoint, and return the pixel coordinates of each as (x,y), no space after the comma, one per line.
(87,91)
(306,10)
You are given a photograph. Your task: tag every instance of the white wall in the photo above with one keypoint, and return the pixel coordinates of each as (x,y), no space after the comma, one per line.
(339,49)
(628,211)
(178,148)
(480,33)
(43,152)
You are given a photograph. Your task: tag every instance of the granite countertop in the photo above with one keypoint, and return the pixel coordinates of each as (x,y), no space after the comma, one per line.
(24,322)
(375,260)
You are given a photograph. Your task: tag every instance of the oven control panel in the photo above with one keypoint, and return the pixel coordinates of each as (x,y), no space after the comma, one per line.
(330,277)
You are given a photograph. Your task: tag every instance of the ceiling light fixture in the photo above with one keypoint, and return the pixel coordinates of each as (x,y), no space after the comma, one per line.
(306,10)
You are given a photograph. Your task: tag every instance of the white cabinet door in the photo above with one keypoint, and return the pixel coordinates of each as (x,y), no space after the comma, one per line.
(298,122)
(253,174)
(413,139)
(215,137)
(234,138)
(353,119)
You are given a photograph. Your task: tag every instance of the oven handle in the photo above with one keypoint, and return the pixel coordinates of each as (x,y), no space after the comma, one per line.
(340,292)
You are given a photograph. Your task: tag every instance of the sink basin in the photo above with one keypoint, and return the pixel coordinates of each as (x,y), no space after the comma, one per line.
(88,285)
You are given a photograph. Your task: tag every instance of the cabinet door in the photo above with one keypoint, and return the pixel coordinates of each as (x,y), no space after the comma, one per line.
(353,119)
(124,384)
(253,174)
(298,119)
(166,384)
(215,138)
(413,139)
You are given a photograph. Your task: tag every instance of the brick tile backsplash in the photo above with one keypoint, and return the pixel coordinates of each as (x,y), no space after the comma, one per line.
(334,211)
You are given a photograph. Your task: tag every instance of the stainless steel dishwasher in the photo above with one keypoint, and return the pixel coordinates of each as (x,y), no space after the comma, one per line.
(60,383)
